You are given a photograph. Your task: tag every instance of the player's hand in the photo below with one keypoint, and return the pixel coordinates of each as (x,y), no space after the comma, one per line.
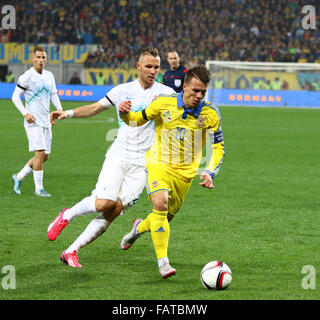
(29,117)
(207,180)
(59,114)
(124,106)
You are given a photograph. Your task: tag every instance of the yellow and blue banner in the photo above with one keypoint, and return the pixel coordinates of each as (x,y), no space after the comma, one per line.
(112,76)
(57,54)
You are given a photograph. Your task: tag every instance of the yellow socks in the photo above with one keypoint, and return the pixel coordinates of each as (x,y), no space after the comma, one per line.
(157,223)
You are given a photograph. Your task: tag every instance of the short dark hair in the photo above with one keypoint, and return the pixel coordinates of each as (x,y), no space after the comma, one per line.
(41,49)
(172,51)
(151,51)
(199,72)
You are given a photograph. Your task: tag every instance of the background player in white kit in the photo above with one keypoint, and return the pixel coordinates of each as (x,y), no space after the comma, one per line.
(122,178)
(39,87)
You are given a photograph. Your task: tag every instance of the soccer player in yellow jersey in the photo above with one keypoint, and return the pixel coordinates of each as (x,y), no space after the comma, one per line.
(181,122)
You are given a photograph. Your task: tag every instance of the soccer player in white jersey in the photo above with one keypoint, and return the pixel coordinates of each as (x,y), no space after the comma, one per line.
(122,177)
(39,87)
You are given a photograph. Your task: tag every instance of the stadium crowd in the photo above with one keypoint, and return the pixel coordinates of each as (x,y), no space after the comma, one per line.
(200,30)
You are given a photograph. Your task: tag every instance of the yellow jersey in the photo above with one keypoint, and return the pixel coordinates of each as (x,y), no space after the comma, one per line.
(181,135)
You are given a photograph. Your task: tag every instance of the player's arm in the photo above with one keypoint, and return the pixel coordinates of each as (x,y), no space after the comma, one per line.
(54,95)
(16,99)
(218,152)
(85,111)
(56,101)
(136,119)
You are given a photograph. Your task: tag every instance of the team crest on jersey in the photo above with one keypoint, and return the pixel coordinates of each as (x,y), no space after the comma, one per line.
(177,82)
(155,183)
(200,122)
(167,116)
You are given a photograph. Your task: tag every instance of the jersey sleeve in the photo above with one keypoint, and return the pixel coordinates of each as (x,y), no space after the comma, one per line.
(106,103)
(53,85)
(217,143)
(23,81)
(134,119)
(114,96)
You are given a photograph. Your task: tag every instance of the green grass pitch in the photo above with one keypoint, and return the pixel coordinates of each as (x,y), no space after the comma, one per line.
(262,218)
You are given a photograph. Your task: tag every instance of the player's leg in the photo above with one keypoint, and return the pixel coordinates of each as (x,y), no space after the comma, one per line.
(94,230)
(167,194)
(153,185)
(157,221)
(160,231)
(37,166)
(96,227)
(166,202)
(130,190)
(158,225)
(38,162)
(39,142)
(35,143)
(18,177)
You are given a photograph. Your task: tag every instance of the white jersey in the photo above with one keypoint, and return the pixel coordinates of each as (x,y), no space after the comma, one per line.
(38,90)
(132,143)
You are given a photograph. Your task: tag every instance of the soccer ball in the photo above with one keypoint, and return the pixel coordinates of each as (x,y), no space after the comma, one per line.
(216,275)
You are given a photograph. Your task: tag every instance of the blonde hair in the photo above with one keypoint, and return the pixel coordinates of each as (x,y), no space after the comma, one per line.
(150,51)
(41,49)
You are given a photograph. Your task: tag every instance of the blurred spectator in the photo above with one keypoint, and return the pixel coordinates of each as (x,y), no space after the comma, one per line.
(219,83)
(276,84)
(9,77)
(307,86)
(100,79)
(315,85)
(257,85)
(267,85)
(75,79)
(285,85)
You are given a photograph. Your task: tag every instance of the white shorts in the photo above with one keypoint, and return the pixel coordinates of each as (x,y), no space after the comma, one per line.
(39,138)
(120,180)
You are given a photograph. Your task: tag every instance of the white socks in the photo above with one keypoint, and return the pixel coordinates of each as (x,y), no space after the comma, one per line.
(38,180)
(37,176)
(94,229)
(86,205)
(25,171)
(163,261)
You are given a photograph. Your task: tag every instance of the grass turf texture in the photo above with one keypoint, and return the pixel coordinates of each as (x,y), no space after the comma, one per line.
(262,218)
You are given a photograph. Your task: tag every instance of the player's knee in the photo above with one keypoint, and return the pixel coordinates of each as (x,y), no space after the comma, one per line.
(106,206)
(110,216)
(160,202)
(160,205)
(46,157)
(41,155)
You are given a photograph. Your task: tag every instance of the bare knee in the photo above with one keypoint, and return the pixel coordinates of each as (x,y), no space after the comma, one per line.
(116,212)
(160,201)
(105,205)
(40,157)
